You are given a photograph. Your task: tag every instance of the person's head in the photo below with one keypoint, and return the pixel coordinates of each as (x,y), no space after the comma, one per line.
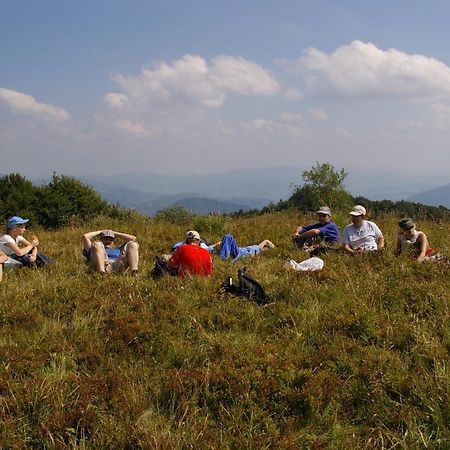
(406,226)
(107,237)
(193,237)
(16,225)
(324,214)
(357,215)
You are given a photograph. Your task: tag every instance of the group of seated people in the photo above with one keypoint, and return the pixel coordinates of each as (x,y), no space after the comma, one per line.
(193,256)
(358,237)
(362,235)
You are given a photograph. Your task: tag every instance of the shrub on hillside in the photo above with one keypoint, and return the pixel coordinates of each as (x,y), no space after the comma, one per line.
(323,185)
(17,197)
(65,200)
(174,214)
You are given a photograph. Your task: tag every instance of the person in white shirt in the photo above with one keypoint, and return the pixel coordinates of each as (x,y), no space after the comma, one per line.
(15,246)
(3,258)
(361,235)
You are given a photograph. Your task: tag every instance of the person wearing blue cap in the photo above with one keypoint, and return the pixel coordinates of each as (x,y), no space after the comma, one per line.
(18,249)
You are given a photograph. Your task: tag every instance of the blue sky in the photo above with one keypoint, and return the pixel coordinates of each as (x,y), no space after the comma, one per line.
(104,87)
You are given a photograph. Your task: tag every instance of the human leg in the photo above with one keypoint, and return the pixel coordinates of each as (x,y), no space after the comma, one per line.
(128,258)
(228,247)
(98,257)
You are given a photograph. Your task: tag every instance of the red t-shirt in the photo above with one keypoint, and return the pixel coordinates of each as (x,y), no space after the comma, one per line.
(192,259)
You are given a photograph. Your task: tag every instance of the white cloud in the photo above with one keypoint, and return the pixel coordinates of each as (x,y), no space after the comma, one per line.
(115,100)
(26,104)
(272,128)
(441,114)
(363,70)
(191,80)
(135,129)
(243,77)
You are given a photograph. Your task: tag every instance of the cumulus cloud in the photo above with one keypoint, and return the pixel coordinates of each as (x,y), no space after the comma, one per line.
(193,81)
(26,104)
(364,70)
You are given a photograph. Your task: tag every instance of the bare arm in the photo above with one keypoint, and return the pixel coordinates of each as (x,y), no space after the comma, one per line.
(348,249)
(124,236)
(87,238)
(398,247)
(266,244)
(298,231)
(423,246)
(380,243)
(310,233)
(20,251)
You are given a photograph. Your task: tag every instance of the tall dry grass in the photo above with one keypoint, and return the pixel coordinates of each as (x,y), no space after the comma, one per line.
(356,355)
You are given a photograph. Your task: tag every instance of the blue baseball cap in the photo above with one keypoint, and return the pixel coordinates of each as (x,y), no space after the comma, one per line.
(15,220)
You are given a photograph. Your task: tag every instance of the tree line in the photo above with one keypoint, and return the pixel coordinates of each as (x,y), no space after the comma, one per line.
(66,200)
(324,185)
(61,202)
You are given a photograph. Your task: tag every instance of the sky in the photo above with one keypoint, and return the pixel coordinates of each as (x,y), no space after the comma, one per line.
(102,87)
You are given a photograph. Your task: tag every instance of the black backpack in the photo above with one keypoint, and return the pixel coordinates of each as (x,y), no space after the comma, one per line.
(246,287)
(162,268)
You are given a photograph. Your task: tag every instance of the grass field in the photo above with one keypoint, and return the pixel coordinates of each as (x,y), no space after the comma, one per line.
(354,356)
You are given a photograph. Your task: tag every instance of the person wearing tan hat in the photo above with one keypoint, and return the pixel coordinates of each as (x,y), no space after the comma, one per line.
(190,258)
(105,258)
(361,235)
(325,230)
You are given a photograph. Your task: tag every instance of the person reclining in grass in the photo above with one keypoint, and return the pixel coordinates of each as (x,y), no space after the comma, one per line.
(3,258)
(416,243)
(323,232)
(105,258)
(190,258)
(20,251)
(361,235)
(228,248)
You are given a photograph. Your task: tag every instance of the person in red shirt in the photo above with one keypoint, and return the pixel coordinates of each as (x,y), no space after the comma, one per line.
(190,258)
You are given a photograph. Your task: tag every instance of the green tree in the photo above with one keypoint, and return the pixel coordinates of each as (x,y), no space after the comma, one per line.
(65,200)
(17,197)
(323,185)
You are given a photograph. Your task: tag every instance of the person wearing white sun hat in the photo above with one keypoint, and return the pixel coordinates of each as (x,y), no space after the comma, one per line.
(361,235)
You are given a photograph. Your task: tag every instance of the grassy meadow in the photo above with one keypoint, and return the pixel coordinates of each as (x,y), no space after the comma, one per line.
(354,356)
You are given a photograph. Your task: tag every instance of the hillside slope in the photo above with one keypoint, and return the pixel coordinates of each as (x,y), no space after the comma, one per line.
(354,356)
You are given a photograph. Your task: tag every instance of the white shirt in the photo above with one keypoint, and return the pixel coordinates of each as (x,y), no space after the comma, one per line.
(7,239)
(365,237)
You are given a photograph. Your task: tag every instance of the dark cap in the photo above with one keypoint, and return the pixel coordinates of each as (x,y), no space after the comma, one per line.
(406,224)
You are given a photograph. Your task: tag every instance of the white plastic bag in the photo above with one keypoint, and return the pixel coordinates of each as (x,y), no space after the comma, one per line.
(309,265)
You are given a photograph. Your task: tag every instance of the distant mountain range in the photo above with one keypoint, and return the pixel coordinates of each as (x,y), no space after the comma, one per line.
(435,197)
(254,188)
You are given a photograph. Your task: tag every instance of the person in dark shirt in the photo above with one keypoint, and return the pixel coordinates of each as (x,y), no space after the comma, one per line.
(324,230)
